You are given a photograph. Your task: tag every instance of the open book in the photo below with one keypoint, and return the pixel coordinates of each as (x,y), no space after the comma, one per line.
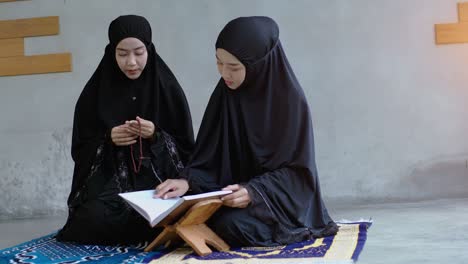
(156,209)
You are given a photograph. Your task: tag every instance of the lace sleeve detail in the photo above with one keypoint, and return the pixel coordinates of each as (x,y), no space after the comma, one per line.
(165,156)
(173,152)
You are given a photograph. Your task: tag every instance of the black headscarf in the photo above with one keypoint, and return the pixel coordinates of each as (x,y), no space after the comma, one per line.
(260,134)
(110,98)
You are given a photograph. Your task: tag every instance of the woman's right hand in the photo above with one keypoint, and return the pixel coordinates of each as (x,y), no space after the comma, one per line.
(121,136)
(171,188)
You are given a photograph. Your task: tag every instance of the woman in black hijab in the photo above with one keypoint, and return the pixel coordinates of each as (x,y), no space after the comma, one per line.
(256,139)
(132,130)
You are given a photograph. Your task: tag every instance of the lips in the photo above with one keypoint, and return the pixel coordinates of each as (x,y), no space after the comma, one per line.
(132,72)
(228,83)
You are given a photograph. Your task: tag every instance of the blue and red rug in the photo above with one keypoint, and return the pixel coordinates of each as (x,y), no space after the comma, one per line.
(344,247)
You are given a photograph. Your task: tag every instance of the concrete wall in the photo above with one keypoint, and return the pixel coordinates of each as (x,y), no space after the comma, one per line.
(389,106)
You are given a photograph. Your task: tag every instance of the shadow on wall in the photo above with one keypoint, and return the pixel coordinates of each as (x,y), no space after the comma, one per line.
(438,178)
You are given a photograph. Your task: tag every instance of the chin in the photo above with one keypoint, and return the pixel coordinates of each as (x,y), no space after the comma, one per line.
(133,77)
(233,87)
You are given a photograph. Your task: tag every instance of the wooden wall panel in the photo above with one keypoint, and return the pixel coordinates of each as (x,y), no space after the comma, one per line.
(451,33)
(29,27)
(463,12)
(60,62)
(11,47)
(454,32)
(12,57)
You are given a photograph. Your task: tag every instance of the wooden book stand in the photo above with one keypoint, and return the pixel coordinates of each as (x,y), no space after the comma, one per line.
(192,229)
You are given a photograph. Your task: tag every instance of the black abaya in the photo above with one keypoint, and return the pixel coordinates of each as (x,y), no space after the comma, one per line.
(102,170)
(260,135)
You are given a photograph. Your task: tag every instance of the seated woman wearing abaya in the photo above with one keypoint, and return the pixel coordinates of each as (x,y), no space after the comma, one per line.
(132,130)
(256,139)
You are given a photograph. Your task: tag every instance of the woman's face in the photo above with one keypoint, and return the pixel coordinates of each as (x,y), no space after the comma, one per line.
(230,68)
(131,56)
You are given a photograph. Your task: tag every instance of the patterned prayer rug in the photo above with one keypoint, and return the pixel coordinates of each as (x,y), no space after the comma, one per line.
(344,247)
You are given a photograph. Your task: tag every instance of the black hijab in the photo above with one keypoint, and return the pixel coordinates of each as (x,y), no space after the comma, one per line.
(260,134)
(110,98)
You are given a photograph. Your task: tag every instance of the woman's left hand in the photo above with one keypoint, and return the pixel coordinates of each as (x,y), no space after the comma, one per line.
(147,127)
(239,197)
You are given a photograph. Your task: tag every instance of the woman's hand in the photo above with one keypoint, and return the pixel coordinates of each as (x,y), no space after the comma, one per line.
(171,188)
(121,136)
(147,127)
(239,197)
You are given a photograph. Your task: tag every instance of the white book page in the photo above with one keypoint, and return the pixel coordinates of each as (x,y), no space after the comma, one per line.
(206,195)
(154,209)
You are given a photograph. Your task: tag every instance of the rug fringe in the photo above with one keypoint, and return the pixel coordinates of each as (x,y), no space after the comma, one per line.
(362,220)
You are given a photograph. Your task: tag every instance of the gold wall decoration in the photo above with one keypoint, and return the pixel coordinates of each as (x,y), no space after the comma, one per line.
(48,63)
(29,27)
(454,32)
(12,58)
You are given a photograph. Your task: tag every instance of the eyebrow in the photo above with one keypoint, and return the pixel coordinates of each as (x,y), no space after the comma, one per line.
(129,50)
(230,64)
